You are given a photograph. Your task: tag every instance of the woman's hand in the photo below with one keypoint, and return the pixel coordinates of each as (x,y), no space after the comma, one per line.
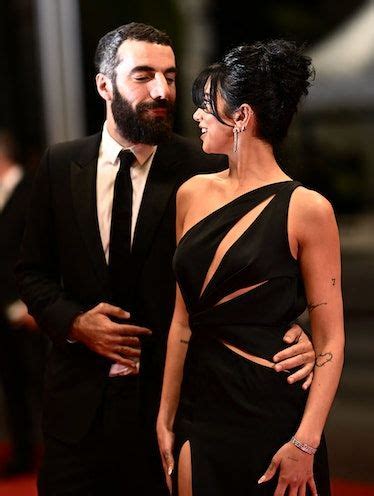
(165,438)
(295,471)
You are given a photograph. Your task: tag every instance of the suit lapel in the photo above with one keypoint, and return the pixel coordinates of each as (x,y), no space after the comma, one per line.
(161,182)
(83,186)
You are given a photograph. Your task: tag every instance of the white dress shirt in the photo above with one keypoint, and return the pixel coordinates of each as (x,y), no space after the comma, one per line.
(107,167)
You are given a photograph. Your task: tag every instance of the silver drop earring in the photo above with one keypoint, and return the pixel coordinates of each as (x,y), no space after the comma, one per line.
(236,133)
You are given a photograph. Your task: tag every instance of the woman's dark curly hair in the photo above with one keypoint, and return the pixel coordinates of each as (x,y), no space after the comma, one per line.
(271,76)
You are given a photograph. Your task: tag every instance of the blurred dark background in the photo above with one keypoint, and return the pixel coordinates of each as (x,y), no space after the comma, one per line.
(47,94)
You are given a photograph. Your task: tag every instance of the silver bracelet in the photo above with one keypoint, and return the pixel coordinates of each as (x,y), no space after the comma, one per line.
(303,447)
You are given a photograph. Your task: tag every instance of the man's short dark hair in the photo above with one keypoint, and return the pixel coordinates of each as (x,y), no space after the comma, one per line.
(106,52)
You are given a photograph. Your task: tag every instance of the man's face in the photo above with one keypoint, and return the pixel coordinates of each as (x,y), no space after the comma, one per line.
(144,92)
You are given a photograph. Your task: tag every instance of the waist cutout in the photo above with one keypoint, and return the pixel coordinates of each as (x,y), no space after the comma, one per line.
(257,339)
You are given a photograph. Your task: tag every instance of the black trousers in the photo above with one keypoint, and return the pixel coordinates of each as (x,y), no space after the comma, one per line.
(119,455)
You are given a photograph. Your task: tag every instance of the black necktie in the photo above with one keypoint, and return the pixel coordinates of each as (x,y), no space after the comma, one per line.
(120,231)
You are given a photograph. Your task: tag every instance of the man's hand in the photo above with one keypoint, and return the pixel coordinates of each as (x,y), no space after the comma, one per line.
(118,342)
(301,353)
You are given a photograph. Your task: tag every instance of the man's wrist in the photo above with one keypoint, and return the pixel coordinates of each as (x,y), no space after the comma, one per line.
(73,335)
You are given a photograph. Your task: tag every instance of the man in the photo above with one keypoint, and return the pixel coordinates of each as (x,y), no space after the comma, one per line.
(97,273)
(21,348)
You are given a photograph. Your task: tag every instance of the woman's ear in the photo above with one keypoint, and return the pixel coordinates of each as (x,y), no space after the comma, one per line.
(104,87)
(243,117)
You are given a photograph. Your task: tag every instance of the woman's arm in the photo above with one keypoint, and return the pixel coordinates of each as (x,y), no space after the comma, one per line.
(178,339)
(179,336)
(314,239)
(319,257)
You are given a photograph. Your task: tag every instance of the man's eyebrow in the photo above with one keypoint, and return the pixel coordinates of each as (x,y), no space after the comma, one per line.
(148,68)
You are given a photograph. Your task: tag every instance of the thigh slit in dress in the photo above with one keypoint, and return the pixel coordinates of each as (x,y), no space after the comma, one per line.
(236,413)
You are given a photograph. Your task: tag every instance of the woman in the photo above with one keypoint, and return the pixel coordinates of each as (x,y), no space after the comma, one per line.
(255,248)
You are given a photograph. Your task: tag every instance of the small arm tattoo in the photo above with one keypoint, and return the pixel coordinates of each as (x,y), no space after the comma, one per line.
(323,358)
(333,280)
(312,306)
(184,341)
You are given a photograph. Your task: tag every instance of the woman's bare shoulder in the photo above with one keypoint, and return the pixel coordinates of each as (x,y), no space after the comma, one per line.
(197,185)
(310,205)
(311,214)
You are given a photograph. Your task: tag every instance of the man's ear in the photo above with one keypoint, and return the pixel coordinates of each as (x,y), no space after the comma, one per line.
(104,87)
(243,117)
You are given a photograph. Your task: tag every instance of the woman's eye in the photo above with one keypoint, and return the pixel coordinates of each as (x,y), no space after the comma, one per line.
(206,106)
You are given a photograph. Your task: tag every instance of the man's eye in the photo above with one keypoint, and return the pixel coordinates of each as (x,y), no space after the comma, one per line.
(170,80)
(141,78)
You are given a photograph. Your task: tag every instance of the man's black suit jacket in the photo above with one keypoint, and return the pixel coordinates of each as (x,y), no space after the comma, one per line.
(62,271)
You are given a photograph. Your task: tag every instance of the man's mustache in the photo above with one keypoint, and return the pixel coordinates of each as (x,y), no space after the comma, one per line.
(160,104)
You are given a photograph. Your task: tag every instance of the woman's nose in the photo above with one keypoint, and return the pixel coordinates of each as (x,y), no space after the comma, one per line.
(197,115)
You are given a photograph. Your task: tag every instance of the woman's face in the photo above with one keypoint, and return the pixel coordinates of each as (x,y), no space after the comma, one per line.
(216,137)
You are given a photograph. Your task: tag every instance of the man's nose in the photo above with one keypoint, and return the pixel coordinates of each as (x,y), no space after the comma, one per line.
(160,88)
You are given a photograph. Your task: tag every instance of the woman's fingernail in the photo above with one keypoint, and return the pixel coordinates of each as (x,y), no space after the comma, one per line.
(260,481)
(170,470)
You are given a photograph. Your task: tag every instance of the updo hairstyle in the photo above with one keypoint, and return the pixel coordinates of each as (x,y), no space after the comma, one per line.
(270,76)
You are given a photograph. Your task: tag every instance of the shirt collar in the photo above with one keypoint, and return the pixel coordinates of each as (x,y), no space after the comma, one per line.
(110,148)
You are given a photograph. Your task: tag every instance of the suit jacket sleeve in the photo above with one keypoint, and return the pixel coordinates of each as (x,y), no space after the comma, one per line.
(37,271)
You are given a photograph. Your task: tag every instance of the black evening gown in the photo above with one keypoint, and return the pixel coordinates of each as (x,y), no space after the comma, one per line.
(235,413)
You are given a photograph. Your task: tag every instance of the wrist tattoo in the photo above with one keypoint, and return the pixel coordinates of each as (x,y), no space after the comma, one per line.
(333,280)
(293,459)
(323,358)
(312,306)
(184,341)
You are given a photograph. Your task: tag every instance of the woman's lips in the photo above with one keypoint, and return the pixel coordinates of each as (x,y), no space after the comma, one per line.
(203,132)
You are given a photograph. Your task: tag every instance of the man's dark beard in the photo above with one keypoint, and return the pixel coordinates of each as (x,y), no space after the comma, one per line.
(136,126)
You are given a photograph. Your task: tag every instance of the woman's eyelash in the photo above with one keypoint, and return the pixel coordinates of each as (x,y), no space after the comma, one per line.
(206,105)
